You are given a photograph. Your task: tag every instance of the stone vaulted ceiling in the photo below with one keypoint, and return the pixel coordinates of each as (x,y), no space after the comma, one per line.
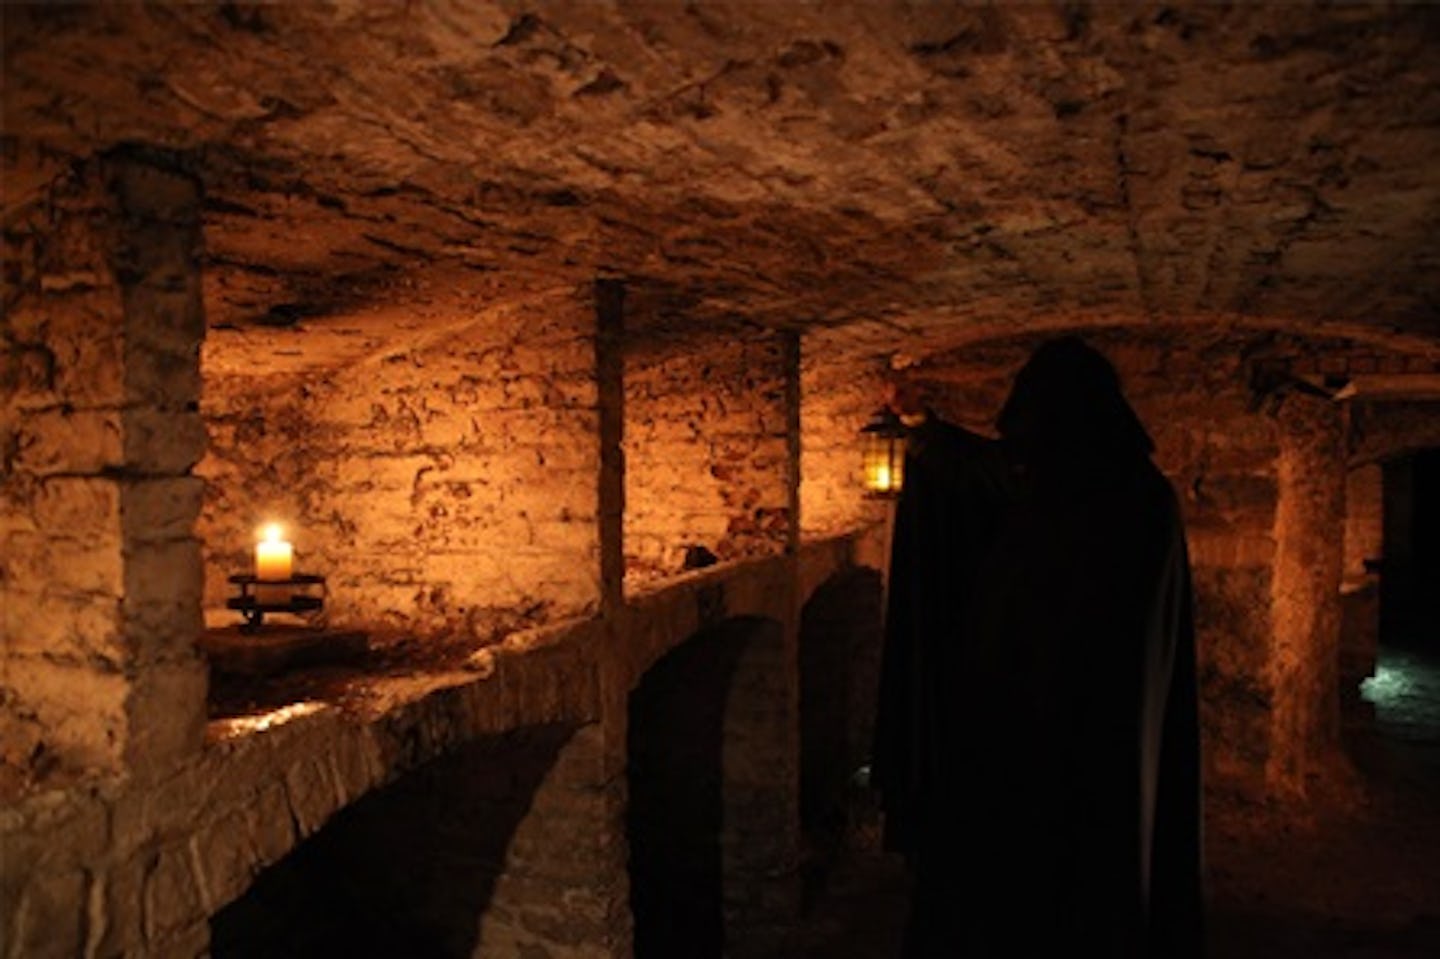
(376,170)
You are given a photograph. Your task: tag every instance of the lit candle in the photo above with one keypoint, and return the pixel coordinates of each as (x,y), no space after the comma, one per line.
(273,555)
(273,560)
(882,478)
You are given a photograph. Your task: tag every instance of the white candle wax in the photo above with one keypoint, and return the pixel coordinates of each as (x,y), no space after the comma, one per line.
(274,559)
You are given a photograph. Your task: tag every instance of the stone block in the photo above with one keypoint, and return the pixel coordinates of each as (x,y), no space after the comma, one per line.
(70,441)
(79,505)
(51,833)
(1224,546)
(189,941)
(165,378)
(224,858)
(160,509)
(163,312)
(85,339)
(311,793)
(148,191)
(164,582)
(118,924)
(171,895)
(57,564)
(166,711)
(62,626)
(166,442)
(356,765)
(270,824)
(51,916)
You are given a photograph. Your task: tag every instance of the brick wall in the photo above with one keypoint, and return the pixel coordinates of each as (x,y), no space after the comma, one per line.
(706,450)
(449,489)
(838,397)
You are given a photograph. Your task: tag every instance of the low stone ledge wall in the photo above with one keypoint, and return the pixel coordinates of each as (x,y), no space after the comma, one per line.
(137,866)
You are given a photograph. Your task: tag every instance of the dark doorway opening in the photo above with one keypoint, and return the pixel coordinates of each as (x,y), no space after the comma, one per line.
(840,650)
(1404,690)
(707,821)
(1410,583)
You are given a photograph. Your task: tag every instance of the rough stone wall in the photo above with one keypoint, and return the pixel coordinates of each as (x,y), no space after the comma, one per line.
(838,397)
(1382,430)
(101,586)
(1364,519)
(451,488)
(706,450)
(135,868)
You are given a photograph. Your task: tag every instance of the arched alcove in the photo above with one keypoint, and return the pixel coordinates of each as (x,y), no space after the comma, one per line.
(711,785)
(468,853)
(840,646)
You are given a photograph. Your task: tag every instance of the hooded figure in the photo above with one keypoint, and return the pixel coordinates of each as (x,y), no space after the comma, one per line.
(1037,746)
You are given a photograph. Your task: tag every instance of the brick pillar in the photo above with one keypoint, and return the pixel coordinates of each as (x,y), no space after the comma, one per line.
(101,575)
(1309,553)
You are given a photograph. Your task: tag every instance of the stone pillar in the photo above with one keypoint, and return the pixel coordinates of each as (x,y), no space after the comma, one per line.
(563,892)
(791,359)
(101,576)
(1309,553)
(610,389)
(759,838)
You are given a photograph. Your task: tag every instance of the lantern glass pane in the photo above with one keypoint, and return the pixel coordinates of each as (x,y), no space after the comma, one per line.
(884,458)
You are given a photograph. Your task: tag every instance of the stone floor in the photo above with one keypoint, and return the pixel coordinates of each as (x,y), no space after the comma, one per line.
(1355,874)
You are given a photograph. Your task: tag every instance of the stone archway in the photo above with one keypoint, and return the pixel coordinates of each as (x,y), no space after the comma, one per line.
(711,796)
(485,850)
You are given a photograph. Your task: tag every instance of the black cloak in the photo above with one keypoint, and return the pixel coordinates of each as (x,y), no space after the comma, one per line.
(949,509)
(1039,681)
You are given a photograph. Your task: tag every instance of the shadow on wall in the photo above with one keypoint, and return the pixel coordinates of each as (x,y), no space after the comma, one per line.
(701,770)
(840,649)
(406,871)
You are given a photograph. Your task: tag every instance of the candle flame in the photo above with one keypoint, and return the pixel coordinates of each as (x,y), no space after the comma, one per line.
(272,532)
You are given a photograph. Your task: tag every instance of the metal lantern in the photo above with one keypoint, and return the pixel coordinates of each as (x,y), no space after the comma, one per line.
(883,440)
